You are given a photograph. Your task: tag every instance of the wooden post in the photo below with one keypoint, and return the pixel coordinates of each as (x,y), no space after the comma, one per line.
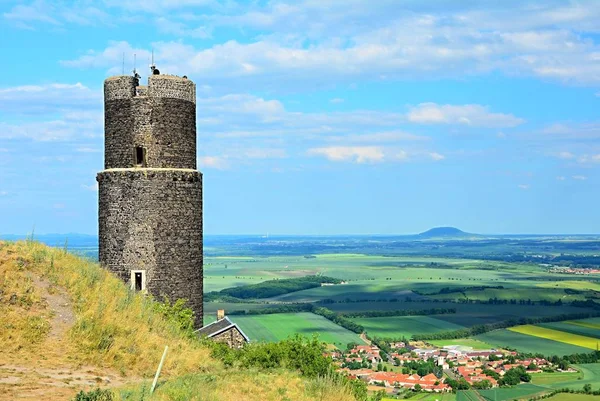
(160,365)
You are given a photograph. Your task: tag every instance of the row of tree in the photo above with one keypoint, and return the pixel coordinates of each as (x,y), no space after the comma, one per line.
(272,288)
(400,312)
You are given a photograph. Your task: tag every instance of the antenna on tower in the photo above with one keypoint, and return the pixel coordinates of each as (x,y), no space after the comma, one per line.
(134,61)
(153,69)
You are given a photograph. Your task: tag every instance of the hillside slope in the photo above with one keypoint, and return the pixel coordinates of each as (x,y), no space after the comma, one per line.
(66,325)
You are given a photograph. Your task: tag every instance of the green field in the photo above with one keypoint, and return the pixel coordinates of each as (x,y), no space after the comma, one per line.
(280,326)
(525,390)
(574,397)
(570,327)
(430,397)
(530,344)
(558,336)
(404,326)
(546,379)
(591,375)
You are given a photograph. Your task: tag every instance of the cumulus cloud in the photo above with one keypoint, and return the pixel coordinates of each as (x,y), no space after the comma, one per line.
(214,162)
(565,155)
(579,177)
(524,186)
(471,114)
(92,187)
(386,40)
(38,99)
(436,156)
(356,154)
(561,178)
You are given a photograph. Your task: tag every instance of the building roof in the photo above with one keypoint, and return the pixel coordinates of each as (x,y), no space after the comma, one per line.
(218,327)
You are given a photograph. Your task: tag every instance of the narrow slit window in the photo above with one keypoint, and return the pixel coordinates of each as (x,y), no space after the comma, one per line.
(140,156)
(138,281)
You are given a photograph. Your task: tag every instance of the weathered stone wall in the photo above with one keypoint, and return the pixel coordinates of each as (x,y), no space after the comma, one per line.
(232,337)
(163,122)
(151,219)
(168,86)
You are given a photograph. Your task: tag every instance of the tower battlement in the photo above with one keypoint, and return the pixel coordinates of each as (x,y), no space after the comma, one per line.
(150,193)
(159,86)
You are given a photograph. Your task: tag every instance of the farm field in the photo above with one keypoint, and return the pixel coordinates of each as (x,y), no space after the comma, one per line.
(511,393)
(544,379)
(280,326)
(525,343)
(590,373)
(558,336)
(573,328)
(430,397)
(404,326)
(573,397)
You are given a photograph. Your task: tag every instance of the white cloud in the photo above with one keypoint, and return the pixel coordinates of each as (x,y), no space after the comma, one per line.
(380,137)
(436,156)
(561,178)
(258,153)
(524,186)
(93,187)
(3,193)
(215,162)
(406,42)
(471,114)
(336,100)
(39,99)
(579,177)
(356,154)
(85,149)
(565,155)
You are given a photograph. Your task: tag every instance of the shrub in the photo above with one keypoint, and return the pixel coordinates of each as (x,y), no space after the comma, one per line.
(94,395)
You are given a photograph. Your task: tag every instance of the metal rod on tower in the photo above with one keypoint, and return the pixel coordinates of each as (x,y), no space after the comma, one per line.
(134,61)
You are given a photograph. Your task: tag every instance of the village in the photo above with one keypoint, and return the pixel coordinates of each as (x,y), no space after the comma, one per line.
(413,367)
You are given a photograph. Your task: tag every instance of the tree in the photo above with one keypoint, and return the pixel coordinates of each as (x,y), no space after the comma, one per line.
(482,385)
(587,388)
(417,387)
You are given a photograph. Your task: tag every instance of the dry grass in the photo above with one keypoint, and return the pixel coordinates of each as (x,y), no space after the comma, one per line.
(247,385)
(116,330)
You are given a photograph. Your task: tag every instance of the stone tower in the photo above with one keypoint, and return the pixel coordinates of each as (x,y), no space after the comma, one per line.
(150,193)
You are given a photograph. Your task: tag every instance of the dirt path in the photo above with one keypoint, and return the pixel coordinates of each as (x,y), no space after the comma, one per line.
(52,372)
(60,305)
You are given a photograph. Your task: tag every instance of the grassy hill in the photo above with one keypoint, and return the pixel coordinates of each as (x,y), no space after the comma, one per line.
(67,325)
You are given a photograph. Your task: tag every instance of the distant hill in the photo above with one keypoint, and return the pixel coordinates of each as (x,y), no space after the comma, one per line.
(444,232)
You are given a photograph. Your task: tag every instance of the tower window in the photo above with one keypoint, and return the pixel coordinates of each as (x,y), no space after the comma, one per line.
(138,280)
(140,156)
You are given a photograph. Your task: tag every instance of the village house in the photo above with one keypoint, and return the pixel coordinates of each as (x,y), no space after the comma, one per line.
(391,379)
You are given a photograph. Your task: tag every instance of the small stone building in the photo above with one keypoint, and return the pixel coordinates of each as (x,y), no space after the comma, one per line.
(224,331)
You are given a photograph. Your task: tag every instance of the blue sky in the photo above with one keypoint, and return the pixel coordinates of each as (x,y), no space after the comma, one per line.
(319,117)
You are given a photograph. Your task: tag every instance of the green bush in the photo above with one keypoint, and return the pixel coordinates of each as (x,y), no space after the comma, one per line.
(94,395)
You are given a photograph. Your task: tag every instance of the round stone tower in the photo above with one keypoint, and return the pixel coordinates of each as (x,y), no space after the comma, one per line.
(150,193)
